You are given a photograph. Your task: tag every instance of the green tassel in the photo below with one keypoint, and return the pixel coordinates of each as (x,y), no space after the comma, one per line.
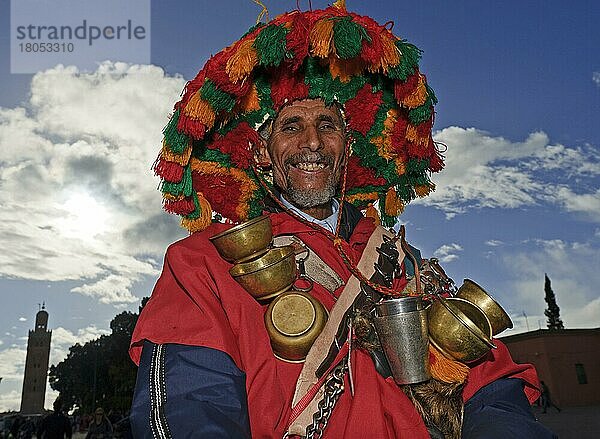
(421,114)
(218,99)
(270,45)
(347,37)
(214,155)
(409,60)
(184,187)
(195,214)
(176,141)
(323,86)
(252,29)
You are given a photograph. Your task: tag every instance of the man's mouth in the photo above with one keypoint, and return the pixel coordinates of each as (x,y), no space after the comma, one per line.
(310,166)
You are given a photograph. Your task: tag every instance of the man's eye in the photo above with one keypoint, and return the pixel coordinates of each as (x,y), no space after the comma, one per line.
(289,129)
(327,127)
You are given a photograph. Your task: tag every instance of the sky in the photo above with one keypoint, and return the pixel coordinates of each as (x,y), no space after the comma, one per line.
(81,226)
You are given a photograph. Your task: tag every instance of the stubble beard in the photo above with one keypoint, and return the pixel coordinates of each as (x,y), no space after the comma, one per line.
(305,198)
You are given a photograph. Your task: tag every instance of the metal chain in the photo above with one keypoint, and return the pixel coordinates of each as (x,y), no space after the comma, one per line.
(334,387)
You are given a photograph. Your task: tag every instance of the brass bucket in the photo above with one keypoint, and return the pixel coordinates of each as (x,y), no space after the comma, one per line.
(472,292)
(245,241)
(460,329)
(294,320)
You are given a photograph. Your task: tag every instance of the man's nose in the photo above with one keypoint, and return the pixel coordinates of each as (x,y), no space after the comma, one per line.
(312,138)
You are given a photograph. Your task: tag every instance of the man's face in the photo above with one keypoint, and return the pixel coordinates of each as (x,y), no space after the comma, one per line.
(306,149)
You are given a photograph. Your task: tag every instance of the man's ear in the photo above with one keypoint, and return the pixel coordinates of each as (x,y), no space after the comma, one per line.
(261,154)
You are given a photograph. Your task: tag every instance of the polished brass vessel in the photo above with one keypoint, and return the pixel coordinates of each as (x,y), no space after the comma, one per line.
(245,241)
(460,329)
(294,320)
(269,275)
(472,292)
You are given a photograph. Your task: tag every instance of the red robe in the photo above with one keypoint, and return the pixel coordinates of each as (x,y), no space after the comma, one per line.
(196,302)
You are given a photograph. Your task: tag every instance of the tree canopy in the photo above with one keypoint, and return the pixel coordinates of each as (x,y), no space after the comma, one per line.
(99,372)
(553,311)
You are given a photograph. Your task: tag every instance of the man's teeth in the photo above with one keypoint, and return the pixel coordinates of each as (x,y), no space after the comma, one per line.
(310,166)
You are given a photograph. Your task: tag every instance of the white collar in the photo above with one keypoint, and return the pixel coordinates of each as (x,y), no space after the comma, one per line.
(328,223)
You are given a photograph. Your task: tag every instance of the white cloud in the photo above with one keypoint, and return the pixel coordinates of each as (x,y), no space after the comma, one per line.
(573,270)
(493,243)
(22,319)
(596,78)
(79,199)
(485,171)
(12,363)
(448,252)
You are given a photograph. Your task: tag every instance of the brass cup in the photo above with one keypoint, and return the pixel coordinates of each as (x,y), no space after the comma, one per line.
(294,320)
(245,241)
(472,292)
(271,274)
(459,329)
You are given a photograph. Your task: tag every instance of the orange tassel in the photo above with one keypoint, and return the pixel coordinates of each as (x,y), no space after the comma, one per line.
(444,369)
(412,134)
(369,196)
(345,69)
(390,55)
(418,96)
(203,221)
(200,110)
(384,142)
(171,197)
(371,212)
(393,204)
(242,62)
(424,190)
(181,159)
(400,167)
(321,38)
(249,102)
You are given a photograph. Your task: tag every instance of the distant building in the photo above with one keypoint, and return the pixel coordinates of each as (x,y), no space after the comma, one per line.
(36,366)
(567,360)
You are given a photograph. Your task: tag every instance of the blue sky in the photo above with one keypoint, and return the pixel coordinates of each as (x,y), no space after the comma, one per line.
(519,91)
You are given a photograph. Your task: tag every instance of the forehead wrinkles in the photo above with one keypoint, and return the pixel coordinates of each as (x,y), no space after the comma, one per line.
(309,110)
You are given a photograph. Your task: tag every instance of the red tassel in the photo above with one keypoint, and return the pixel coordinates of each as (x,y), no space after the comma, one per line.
(287,88)
(297,41)
(216,71)
(403,89)
(184,206)
(192,128)
(168,171)
(237,143)
(362,109)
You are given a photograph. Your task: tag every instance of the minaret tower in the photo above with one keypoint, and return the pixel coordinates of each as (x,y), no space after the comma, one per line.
(36,365)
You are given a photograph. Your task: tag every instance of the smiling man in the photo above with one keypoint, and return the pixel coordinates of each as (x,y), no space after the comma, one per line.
(320,120)
(306,150)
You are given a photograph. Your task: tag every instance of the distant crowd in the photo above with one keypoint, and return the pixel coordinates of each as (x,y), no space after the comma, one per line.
(58,425)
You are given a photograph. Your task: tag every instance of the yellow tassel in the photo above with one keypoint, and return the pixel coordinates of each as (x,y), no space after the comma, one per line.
(242,62)
(264,13)
(418,96)
(171,197)
(345,69)
(200,110)
(393,204)
(390,55)
(371,212)
(250,102)
(383,142)
(400,167)
(424,190)
(321,38)
(181,159)
(444,369)
(369,196)
(203,221)
(340,4)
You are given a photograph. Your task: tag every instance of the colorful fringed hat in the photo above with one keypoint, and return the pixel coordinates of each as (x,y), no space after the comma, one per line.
(207,159)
